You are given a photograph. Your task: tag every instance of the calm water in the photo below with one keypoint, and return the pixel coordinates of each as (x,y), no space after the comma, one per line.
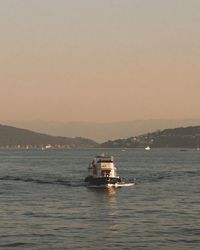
(45,205)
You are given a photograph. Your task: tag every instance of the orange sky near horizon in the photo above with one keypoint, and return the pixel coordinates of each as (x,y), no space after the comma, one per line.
(99,61)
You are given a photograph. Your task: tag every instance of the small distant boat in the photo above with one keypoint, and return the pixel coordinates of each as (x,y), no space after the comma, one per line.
(49,146)
(102,173)
(148,148)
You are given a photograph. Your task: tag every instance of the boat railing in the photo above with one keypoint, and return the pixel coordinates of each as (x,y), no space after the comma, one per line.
(105,158)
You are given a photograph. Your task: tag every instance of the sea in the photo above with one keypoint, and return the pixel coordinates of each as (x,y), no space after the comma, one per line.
(44,203)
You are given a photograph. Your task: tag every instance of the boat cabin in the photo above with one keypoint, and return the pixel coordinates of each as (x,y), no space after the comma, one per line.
(102,166)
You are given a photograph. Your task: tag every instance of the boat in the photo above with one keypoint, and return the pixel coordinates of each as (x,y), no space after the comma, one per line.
(102,173)
(148,148)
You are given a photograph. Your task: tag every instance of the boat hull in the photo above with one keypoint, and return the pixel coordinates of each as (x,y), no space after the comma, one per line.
(102,181)
(116,185)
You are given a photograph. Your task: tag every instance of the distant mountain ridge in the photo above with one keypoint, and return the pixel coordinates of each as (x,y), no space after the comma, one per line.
(183,137)
(188,137)
(102,132)
(22,138)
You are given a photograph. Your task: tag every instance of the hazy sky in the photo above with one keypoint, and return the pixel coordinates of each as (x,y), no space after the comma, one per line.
(103,61)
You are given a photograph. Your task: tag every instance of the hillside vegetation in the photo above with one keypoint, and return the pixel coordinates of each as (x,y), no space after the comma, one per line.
(15,137)
(188,137)
(12,137)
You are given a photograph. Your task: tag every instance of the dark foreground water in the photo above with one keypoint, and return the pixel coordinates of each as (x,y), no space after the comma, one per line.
(45,205)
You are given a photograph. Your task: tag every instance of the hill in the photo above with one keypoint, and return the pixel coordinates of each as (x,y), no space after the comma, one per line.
(182,137)
(188,137)
(12,137)
(102,132)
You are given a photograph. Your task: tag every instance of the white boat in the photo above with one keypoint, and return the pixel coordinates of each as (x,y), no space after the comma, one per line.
(102,173)
(148,148)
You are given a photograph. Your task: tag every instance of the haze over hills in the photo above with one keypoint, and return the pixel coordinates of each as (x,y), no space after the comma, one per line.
(102,132)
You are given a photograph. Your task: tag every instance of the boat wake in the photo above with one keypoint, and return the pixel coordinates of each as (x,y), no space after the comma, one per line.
(58,181)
